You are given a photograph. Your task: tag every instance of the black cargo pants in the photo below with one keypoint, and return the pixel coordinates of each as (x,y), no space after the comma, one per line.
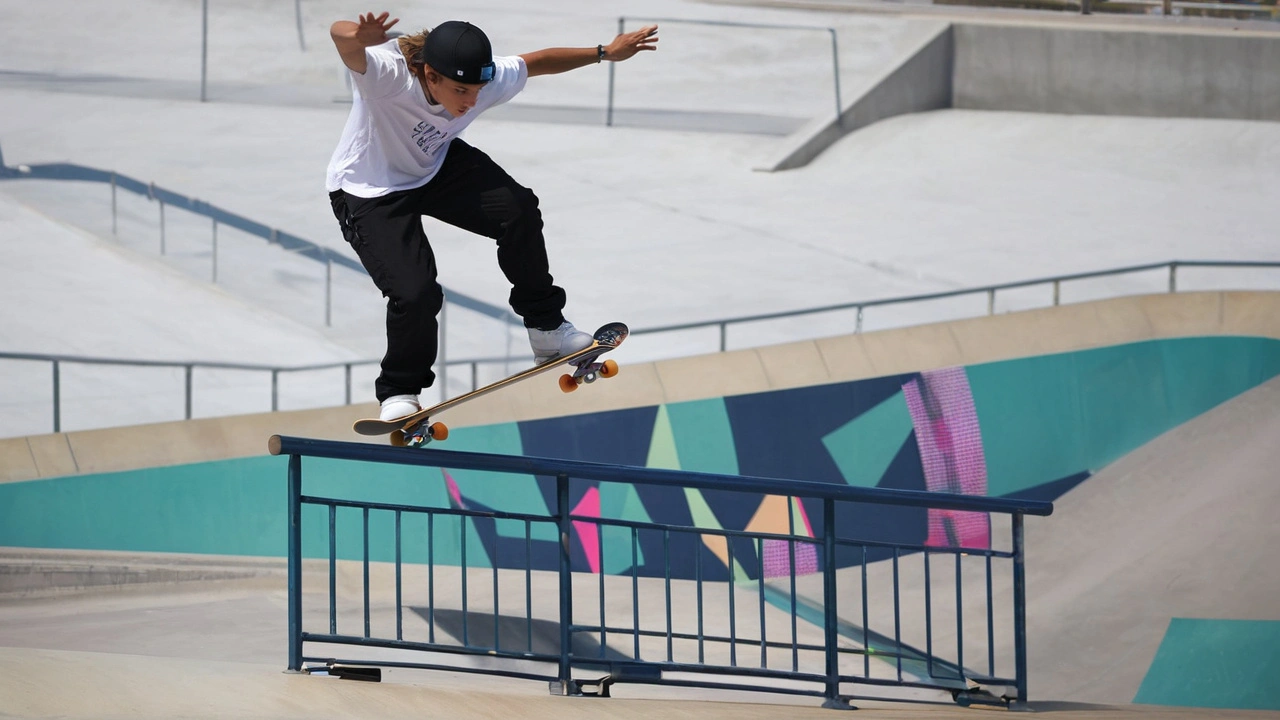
(470,192)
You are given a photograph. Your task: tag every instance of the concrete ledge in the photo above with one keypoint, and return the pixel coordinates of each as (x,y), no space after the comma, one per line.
(1078,70)
(1052,67)
(812,362)
(918,81)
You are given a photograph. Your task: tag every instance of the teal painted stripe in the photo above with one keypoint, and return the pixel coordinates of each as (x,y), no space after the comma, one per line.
(1216,664)
(1048,417)
(864,447)
(704,436)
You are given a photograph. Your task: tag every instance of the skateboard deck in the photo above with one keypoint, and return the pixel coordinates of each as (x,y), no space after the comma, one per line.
(417,429)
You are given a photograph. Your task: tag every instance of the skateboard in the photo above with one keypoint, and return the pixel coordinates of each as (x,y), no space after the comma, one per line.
(417,429)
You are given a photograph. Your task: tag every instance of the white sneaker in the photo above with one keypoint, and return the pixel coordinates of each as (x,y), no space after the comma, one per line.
(399,406)
(551,344)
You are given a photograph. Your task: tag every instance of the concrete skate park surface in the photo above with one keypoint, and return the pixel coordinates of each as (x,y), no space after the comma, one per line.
(202,636)
(919,203)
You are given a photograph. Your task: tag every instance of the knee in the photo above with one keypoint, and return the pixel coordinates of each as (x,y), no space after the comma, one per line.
(424,297)
(506,206)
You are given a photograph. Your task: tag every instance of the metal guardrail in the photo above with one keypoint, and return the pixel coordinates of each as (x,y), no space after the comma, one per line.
(989,290)
(626,649)
(721,325)
(189,367)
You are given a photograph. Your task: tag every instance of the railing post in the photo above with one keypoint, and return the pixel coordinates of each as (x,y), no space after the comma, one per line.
(328,291)
(831,618)
(190,368)
(835,64)
(347,371)
(608,113)
(1173,277)
(275,389)
(443,354)
(295,563)
(724,336)
(857,326)
(114,226)
(991,301)
(297,13)
(215,251)
(566,585)
(57,399)
(1019,609)
(204,48)
(1057,290)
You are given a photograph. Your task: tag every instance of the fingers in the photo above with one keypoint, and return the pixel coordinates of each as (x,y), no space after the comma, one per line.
(379,20)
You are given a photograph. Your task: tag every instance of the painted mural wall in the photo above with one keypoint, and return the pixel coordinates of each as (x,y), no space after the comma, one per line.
(1033,427)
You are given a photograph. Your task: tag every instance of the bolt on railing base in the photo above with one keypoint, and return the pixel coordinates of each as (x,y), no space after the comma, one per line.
(564,688)
(838,704)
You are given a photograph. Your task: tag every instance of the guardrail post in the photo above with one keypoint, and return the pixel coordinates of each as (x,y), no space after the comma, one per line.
(566,585)
(1019,609)
(57,399)
(835,65)
(204,48)
(114,226)
(831,618)
(1173,277)
(1057,289)
(857,326)
(190,368)
(991,301)
(444,357)
(608,113)
(215,251)
(295,563)
(724,336)
(328,291)
(297,13)
(275,389)
(347,371)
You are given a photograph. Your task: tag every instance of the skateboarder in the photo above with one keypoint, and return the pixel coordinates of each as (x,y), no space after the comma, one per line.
(400,158)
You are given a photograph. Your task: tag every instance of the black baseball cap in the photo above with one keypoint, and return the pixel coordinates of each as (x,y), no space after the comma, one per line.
(459,51)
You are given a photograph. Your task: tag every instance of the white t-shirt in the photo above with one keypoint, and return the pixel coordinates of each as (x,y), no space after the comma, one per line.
(394,139)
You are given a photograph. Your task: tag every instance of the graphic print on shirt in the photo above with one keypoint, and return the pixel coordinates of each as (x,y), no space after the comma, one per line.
(428,137)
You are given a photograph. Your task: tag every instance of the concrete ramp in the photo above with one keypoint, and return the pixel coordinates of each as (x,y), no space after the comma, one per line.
(1183,527)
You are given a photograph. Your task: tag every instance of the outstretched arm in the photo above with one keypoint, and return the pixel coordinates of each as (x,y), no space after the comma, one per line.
(623,47)
(352,38)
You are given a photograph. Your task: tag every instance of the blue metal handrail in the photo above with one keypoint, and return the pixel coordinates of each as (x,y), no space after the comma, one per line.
(931,672)
(292,243)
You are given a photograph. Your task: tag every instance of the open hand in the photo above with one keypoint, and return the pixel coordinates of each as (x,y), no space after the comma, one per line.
(627,45)
(373,30)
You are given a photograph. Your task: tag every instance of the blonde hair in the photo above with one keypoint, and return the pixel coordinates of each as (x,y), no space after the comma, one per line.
(411,48)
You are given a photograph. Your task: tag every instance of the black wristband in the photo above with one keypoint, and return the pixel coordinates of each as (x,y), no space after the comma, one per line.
(599,53)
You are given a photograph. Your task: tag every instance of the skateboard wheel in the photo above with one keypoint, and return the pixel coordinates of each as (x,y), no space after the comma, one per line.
(438,431)
(568,384)
(609,368)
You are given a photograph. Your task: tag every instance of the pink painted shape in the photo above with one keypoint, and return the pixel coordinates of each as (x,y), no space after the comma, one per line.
(455,494)
(950,442)
(589,506)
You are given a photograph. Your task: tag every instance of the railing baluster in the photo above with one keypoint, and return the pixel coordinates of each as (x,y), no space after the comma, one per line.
(399,596)
(333,569)
(604,638)
(366,572)
(635,593)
